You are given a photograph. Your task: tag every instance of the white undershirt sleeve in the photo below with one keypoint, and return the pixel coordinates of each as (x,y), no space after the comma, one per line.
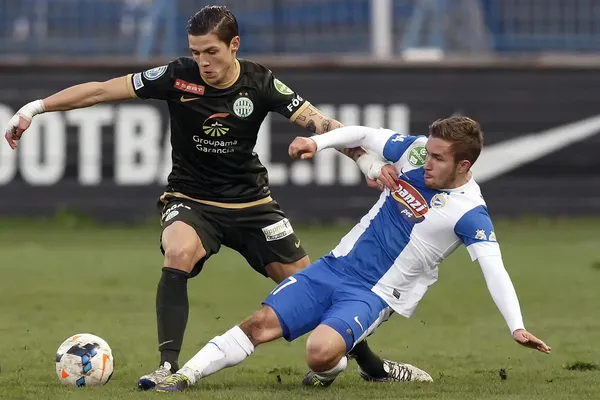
(502,290)
(354,136)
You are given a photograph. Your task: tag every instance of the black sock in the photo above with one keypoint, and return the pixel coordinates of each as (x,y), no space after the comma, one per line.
(368,361)
(172,309)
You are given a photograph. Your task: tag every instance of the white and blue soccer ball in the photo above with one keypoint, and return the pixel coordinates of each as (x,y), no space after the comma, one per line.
(84,360)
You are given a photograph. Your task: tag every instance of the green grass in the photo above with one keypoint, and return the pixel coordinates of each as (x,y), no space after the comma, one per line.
(58,281)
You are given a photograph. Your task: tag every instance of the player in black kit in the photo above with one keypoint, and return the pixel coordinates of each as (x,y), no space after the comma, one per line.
(217,192)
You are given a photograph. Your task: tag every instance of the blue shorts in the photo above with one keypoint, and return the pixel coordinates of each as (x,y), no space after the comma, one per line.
(320,294)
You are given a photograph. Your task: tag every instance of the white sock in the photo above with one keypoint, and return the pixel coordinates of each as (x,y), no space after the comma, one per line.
(227,350)
(332,373)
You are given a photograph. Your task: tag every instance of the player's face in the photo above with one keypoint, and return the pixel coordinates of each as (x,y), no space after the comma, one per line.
(214,57)
(441,170)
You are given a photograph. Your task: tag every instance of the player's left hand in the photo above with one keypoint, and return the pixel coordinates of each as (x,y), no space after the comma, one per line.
(303,146)
(527,339)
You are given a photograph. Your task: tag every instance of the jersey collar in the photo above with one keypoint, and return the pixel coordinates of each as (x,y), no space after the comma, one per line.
(462,188)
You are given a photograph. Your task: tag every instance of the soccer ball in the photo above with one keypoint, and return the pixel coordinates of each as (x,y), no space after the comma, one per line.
(84,360)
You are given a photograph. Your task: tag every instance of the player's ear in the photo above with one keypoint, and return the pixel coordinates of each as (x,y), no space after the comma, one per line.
(235,43)
(463,166)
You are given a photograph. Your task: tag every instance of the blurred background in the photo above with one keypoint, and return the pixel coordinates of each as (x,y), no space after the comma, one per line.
(525,69)
(385,28)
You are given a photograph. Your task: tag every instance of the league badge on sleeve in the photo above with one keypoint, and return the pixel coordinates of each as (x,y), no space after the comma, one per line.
(282,88)
(417,156)
(155,73)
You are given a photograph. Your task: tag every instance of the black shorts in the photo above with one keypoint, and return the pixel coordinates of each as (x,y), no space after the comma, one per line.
(261,233)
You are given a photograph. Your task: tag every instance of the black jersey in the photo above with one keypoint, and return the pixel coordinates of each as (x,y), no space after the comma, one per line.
(214,131)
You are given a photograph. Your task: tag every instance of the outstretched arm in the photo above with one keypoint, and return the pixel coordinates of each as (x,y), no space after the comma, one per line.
(476,231)
(278,97)
(384,143)
(89,94)
(78,96)
(377,173)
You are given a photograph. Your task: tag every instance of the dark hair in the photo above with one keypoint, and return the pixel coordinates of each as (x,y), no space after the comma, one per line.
(463,133)
(214,19)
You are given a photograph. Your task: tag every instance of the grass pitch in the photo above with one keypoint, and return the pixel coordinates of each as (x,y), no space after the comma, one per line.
(56,281)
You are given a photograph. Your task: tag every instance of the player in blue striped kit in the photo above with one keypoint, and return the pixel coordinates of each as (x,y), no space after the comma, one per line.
(385,264)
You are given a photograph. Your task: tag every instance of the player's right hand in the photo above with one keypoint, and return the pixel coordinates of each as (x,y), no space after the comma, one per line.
(21,121)
(526,339)
(389,177)
(303,146)
(16,126)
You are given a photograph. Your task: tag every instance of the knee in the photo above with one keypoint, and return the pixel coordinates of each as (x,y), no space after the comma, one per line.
(263,326)
(182,246)
(182,257)
(321,355)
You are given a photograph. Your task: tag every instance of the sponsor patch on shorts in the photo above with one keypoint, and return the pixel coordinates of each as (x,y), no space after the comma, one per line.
(171,215)
(172,211)
(278,230)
